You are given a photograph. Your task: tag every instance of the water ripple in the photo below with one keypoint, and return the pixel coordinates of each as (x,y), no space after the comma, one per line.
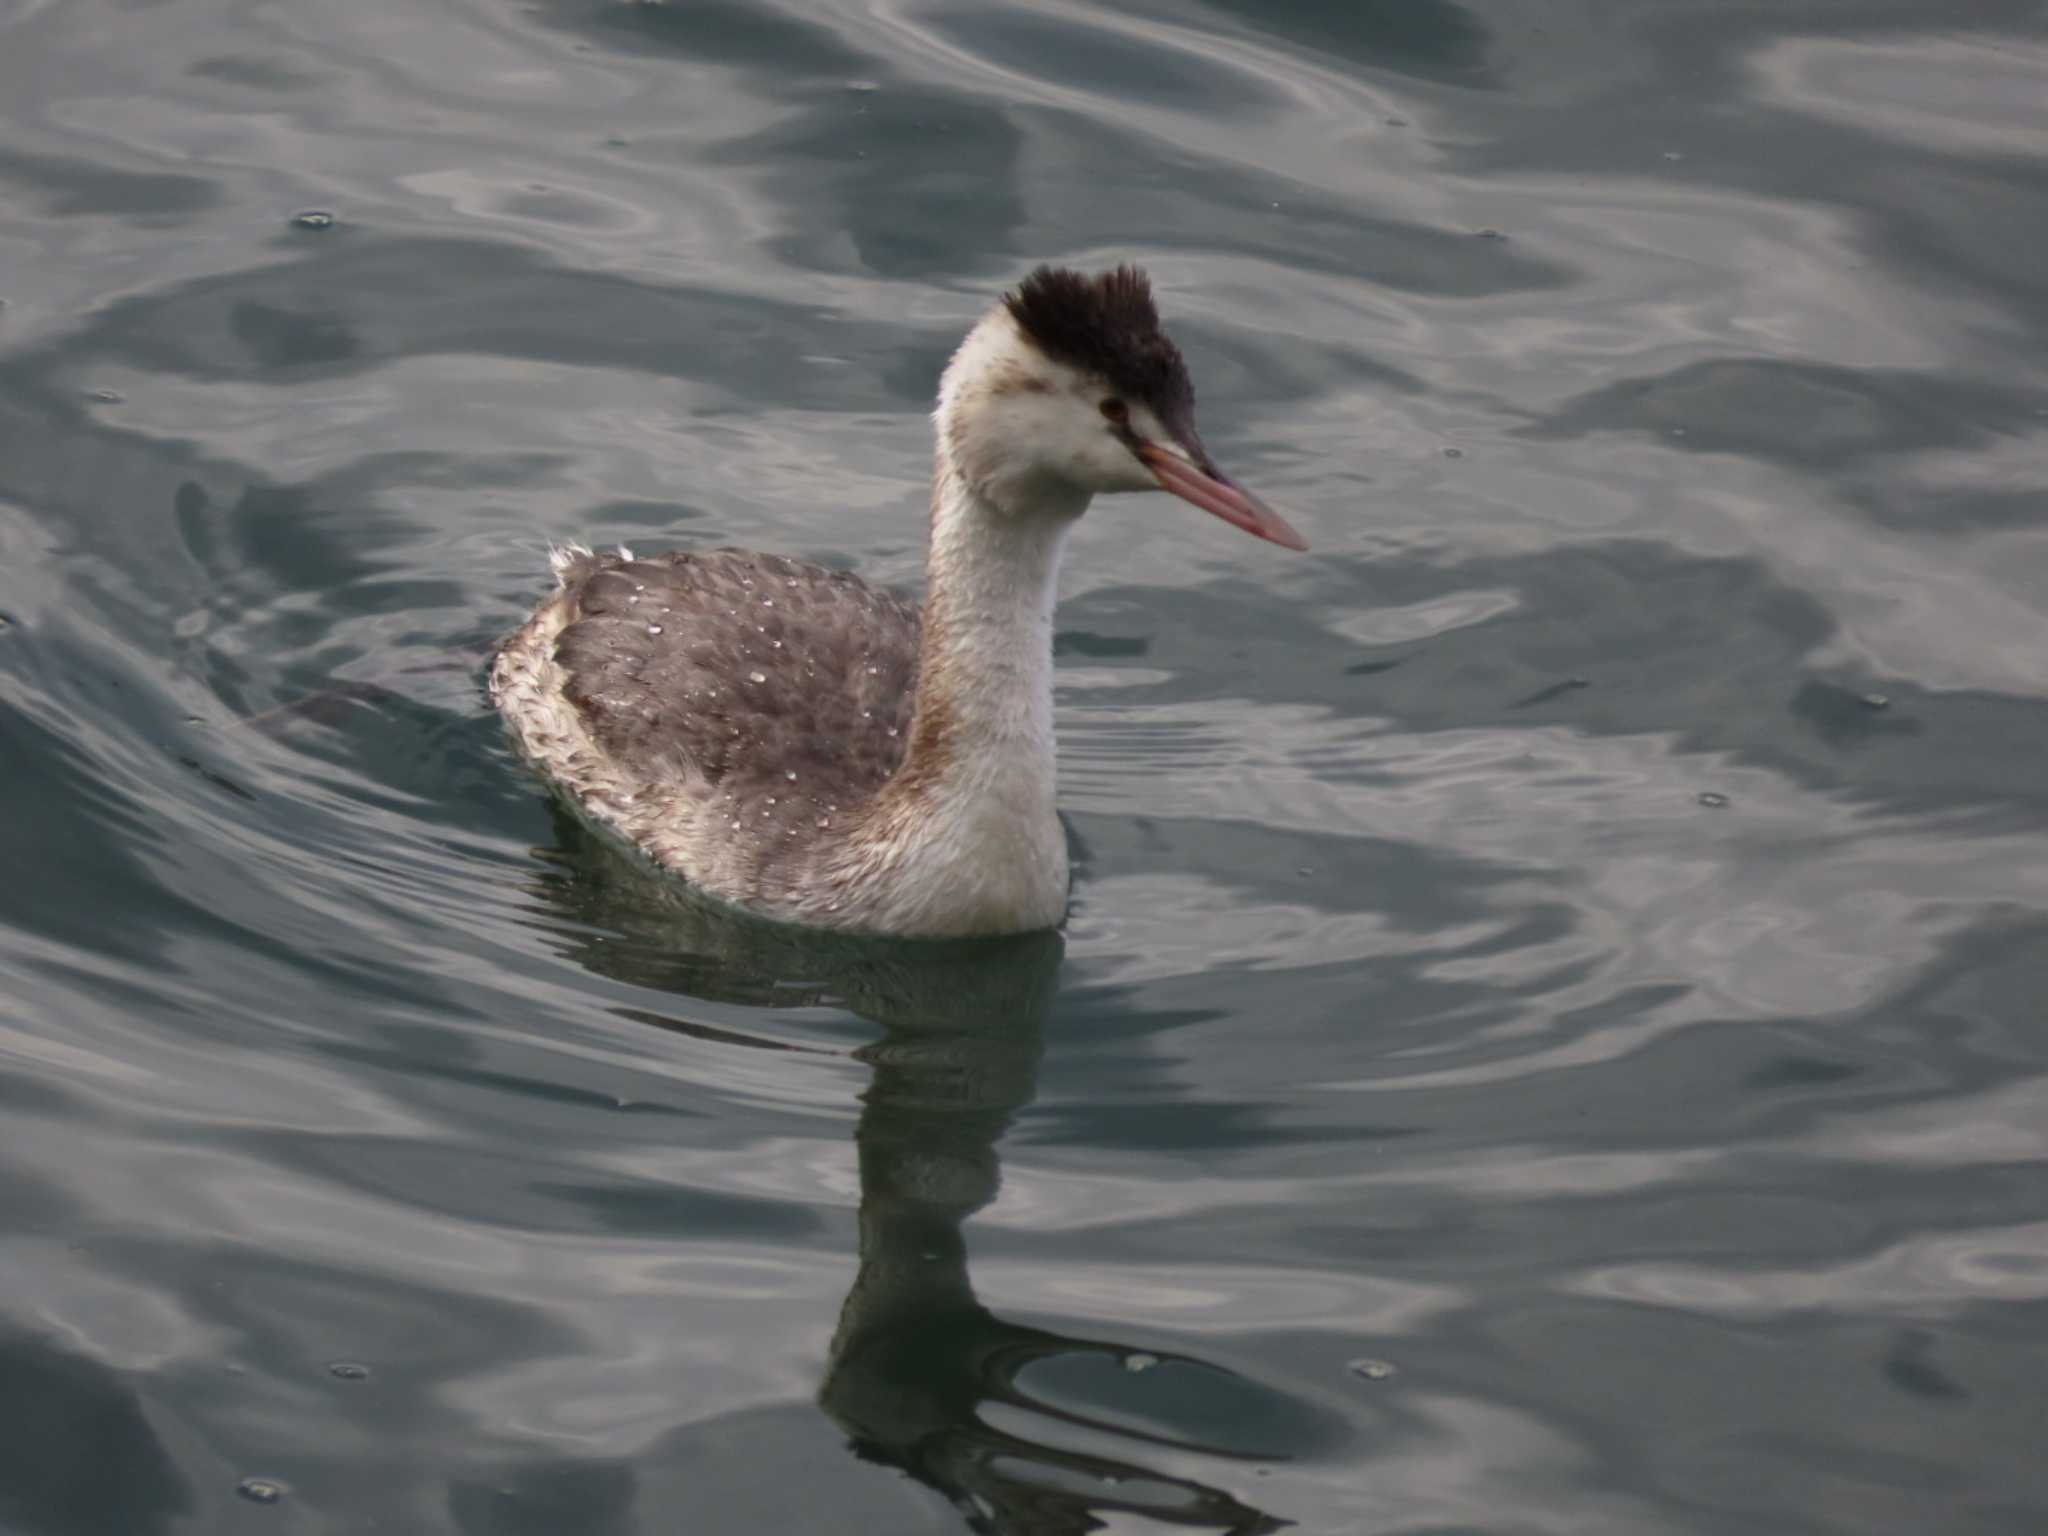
(1574,940)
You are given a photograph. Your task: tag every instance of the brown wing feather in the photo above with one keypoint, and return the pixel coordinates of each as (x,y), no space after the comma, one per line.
(740,669)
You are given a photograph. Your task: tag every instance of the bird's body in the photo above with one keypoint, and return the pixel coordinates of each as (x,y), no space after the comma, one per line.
(799,743)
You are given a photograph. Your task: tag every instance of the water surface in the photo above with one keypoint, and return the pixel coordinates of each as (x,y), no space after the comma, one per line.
(1549,1038)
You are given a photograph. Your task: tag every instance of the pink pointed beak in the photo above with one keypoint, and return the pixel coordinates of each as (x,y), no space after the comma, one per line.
(1215,492)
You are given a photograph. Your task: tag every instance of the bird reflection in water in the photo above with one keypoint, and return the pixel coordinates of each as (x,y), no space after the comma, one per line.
(921,1376)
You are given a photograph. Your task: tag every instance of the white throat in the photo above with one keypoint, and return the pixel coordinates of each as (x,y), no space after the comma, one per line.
(992,580)
(971,840)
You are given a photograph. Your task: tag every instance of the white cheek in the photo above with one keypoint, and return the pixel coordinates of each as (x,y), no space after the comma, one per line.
(1148,426)
(1116,468)
(1031,442)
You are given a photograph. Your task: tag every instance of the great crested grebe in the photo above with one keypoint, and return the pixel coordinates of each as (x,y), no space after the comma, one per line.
(797,743)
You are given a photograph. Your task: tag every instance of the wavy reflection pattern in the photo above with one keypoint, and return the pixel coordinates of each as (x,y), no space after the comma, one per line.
(1574,945)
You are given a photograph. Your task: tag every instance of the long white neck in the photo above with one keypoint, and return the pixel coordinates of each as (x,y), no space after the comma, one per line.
(985,661)
(974,841)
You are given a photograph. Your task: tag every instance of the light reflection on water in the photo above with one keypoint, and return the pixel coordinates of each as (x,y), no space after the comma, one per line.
(1661,394)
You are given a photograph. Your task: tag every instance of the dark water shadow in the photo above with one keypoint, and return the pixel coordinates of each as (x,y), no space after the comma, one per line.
(919,1371)
(72,188)
(1614,638)
(54,1460)
(1812,417)
(1425,39)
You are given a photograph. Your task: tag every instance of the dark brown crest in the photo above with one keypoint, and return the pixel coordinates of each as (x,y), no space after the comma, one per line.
(1108,325)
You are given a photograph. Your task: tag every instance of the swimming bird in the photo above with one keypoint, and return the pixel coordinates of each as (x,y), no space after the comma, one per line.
(798,743)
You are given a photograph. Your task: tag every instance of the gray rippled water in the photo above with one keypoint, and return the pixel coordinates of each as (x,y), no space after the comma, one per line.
(1550,1038)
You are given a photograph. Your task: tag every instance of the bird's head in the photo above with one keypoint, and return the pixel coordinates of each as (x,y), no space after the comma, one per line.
(1068,388)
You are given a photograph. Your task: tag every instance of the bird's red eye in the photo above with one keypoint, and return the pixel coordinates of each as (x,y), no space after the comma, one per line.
(1116,410)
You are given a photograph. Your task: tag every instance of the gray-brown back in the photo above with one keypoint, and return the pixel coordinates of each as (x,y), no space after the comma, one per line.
(749,676)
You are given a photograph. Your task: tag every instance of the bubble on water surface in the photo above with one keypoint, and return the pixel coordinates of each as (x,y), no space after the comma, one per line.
(260,1490)
(1371,1369)
(1712,799)
(313,218)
